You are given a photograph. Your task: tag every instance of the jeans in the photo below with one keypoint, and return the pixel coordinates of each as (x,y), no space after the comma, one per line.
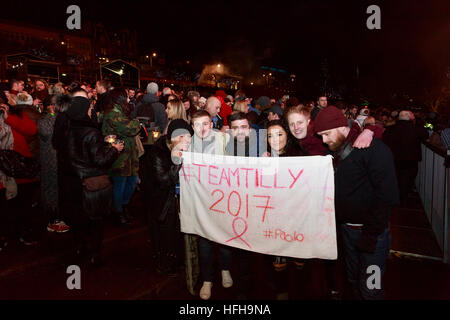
(206,255)
(357,263)
(123,191)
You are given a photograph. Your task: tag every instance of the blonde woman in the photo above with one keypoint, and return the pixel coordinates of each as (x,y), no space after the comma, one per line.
(175,110)
(241,106)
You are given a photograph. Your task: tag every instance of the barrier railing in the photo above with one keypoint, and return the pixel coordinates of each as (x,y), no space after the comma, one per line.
(432,182)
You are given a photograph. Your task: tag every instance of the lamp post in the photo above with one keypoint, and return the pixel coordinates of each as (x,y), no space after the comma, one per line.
(151,58)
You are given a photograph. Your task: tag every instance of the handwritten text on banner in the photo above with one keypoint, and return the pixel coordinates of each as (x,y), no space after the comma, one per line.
(278,206)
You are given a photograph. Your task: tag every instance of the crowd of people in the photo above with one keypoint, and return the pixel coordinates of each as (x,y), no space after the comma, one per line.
(94,145)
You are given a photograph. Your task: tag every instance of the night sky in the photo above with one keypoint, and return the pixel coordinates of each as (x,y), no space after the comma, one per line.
(411,50)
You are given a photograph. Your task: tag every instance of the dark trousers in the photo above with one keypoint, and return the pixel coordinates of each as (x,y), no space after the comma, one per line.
(360,265)
(165,236)
(18,218)
(87,231)
(244,259)
(406,176)
(206,255)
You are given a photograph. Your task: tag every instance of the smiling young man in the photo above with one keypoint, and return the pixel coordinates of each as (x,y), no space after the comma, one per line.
(207,140)
(365,193)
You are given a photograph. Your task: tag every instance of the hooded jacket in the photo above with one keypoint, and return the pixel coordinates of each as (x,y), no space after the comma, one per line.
(115,122)
(85,153)
(159,110)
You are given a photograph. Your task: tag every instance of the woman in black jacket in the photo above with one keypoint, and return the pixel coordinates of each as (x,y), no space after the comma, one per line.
(86,155)
(161,185)
(281,143)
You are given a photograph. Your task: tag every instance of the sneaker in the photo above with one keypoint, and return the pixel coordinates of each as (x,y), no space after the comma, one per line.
(205,291)
(280,263)
(58,226)
(227,281)
(299,265)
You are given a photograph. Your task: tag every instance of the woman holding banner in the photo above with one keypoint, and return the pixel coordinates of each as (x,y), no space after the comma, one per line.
(161,184)
(281,143)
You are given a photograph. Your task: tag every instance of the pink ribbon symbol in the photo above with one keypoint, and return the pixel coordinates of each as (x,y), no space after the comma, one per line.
(239,235)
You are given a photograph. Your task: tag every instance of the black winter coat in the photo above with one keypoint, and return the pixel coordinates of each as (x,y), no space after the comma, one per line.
(160,177)
(366,190)
(404,140)
(85,153)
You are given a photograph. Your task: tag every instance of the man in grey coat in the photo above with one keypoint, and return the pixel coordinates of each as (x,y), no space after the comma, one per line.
(151,100)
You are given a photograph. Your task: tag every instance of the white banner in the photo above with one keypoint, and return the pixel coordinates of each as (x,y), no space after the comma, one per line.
(277,206)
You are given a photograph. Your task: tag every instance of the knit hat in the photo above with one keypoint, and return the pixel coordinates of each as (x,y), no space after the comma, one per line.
(78,108)
(263,102)
(178,127)
(329,118)
(276,109)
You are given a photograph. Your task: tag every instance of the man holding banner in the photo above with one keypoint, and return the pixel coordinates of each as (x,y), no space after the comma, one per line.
(366,191)
(274,206)
(208,141)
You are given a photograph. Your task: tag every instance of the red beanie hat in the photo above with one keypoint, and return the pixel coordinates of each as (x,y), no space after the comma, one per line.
(329,118)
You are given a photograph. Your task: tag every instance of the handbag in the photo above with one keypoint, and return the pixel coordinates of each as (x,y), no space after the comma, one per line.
(97,196)
(97,183)
(15,165)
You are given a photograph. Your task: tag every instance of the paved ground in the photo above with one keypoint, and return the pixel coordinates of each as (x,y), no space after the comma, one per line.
(39,272)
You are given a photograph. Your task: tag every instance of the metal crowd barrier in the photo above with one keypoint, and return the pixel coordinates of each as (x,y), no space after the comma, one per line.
(432,182)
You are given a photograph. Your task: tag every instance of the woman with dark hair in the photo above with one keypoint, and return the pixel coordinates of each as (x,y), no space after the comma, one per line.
(88,194)
(53,105)
(281,143)
(124,171)
(160,181)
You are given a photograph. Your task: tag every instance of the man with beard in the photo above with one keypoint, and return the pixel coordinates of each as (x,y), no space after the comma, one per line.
(39,93)
(244,143)
(365,193)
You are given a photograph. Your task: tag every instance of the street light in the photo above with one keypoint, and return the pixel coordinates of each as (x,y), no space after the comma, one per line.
(151,58)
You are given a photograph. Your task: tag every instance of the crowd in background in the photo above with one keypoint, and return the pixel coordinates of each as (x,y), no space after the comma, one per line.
(96,145)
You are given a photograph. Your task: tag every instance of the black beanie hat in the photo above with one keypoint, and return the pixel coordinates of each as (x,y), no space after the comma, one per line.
(78,108)
(173,132)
